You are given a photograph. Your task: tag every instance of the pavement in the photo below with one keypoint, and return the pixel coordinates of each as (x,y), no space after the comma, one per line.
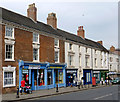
(44,93)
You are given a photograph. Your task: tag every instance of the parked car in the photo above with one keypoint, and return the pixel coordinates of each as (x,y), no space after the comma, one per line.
(116,81)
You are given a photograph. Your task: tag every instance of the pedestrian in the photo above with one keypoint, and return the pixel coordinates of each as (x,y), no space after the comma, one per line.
(23,85)
(105,81)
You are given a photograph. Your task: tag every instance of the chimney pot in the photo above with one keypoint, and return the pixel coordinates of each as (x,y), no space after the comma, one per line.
(100,42)
(112,49)
(81,32)
(32,12)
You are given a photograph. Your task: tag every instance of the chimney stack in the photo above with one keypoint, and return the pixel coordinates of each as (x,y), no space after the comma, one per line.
(32,12)
(52,20)
(81,32)
(112,49)
(100,42)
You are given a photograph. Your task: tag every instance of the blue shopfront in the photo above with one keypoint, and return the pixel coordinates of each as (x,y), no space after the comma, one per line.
(42,75)
(87,76)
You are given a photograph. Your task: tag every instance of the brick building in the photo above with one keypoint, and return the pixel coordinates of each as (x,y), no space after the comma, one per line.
(37,45)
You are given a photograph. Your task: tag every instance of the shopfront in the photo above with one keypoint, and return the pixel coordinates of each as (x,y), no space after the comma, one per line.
(103,74)
(71,77)
(97,75)
(87,76)
(42,75)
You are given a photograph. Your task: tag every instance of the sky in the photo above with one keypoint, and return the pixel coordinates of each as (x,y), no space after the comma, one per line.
(98,17)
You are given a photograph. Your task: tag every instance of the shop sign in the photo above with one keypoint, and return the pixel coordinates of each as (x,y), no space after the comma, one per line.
(34,67)
(96,71)
(25,71)
(56,67)
(71,71)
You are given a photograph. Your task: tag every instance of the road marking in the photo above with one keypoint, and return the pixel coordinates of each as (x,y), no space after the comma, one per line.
(102,96)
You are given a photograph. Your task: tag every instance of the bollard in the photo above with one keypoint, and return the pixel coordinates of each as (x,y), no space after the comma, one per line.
(57,88)
(17,96)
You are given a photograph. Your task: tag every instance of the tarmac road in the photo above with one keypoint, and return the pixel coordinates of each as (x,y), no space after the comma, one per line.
(104,93)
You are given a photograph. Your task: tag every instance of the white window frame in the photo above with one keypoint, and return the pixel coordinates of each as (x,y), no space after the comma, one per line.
(71,60)
(9,42)
(10,69)
(57,44)
(12,32)
(38,38)
(58,57)
(38,55)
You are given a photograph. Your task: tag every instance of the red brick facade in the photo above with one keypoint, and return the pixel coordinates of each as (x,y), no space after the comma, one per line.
(23,50)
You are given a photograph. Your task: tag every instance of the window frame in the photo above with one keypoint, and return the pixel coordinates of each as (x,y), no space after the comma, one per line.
(57,43)
(37,39)
(10,37)
(38,55)
(58,57)
(10,69)
(12,59)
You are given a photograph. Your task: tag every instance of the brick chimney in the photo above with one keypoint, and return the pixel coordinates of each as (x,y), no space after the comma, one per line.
(52,20)
(81,32)
(100,42)
(112,49)
(32,12)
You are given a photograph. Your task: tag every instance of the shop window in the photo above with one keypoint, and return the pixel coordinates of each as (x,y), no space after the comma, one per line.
(60,76)
(88,77)
(25,76)
(41,77)
(49,77)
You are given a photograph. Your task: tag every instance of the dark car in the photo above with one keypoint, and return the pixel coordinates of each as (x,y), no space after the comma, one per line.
(116,81)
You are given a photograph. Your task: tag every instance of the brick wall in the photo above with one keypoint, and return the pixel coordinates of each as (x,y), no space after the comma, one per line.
(23,50)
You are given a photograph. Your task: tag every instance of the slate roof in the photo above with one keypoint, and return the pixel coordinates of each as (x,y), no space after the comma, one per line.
(27,22)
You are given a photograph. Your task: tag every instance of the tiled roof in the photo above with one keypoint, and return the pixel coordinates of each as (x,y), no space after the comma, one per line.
(27,22)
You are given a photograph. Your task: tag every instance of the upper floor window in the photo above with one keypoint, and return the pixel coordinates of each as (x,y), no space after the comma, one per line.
(35,54)
(117,59)
(79,48)
(95,62)
(87,61)
(35,37)
(86,49)
(95,51)
(111,59)
(70,59)
(9,32)
(56,56)
(9,52)
(70,46)
(56,43)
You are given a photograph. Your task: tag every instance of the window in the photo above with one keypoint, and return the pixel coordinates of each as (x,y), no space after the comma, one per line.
(35,54)
(9,52)
(70,59)
(8,76)
(111,59)
(49,77)
(87,61)
(88,77)
(61,76)
(117,60)
(56,42)
(95,51)
(110,67)
(56,56)
(9,32)
(79,48)
(41,77)
(79,60)
(86,49)
(35,38)
(95,62)
(70,46)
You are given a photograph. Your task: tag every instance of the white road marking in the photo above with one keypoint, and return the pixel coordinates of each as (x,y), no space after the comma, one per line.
(102,96)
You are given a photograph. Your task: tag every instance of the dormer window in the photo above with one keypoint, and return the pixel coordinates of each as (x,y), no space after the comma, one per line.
(35,38)
(9,32)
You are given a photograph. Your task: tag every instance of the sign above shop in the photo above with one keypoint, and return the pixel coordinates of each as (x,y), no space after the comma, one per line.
(71,71)
(55,67)
(34,67)
(96,71)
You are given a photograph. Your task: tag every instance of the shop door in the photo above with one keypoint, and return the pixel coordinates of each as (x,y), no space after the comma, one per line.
(56,76)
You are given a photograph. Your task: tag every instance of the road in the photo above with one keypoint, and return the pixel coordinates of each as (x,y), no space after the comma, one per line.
(104,93)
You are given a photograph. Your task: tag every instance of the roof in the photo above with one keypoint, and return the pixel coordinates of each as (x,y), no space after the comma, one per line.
(10,16)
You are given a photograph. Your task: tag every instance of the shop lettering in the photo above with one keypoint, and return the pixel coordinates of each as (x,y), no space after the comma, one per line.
(34,67)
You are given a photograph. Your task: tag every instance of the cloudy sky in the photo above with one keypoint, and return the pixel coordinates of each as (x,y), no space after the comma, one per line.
(100,19)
